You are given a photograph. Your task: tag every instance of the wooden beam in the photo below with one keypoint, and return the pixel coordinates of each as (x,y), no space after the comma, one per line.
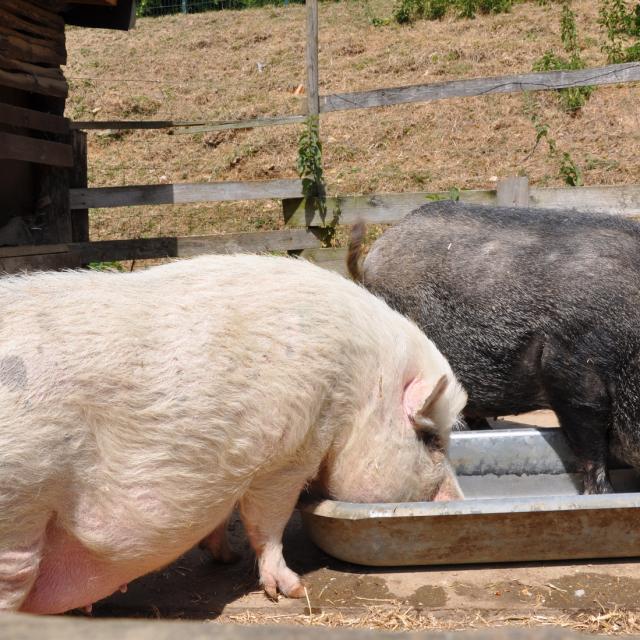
(313,104)
(389,208)
(183,193)
(383,208)
(39,262)
(32,250)
(513,192)
(187,126)
(20,23)
(611,74)
(331,258)
(15,147)
(149,248)
(9,64)
(36,12)
(189,246)
(28,49)
(623,200)
(32,119)
(79,179)
(34,84)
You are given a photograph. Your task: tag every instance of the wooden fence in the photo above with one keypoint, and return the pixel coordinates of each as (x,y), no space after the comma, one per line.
(303,220)
(304,223)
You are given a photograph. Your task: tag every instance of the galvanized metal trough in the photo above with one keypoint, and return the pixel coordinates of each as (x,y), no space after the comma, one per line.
(522,503)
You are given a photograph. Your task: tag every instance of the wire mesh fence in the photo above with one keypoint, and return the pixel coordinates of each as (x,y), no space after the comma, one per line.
(166,7)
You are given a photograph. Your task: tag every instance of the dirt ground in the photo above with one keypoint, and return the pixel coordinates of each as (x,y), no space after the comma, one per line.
(594,596)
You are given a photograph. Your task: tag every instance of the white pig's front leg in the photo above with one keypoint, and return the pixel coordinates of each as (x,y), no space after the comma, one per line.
(265,510)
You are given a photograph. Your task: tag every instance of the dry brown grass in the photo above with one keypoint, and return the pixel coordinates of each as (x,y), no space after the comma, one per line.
(615,622)
(204,66)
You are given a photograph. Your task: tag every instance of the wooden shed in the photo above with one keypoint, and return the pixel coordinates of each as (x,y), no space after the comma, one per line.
(36,145)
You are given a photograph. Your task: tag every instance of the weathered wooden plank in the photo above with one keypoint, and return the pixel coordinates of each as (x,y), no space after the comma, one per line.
(36,12)
(20,23)
(39,262)
(188,246)
(29,49)
(513,192)
(389,208)
(32,119)
(313,100)
(34,84)
(79,179)
(611,74)
(384,208)
(9,64)
(9,31)
(187,126)
(15,147)
(622,200)
(333,259)
(223,125)
(183,193)
(32,249)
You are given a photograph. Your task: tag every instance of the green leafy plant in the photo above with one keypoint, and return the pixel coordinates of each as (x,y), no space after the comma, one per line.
(494,6)
(573,98)
(106,266)
(568,169)
(408,11)
(309,164)
(620,23)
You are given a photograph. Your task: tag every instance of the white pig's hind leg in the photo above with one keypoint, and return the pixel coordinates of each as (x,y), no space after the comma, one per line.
(265,510)
(19,565)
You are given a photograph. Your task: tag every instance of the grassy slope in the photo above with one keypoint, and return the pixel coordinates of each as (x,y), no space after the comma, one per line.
(205,66)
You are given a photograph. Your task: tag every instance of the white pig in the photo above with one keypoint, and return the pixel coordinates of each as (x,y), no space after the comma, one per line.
(136,410)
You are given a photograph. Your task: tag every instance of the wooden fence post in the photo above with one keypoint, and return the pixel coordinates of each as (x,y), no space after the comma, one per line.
(513,192)
(313,97)
(78,180)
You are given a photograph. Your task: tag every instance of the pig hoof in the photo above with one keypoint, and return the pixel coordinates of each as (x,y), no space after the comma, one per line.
(297,591)
(88,609)
(289,585)
(272,592)
(123,588)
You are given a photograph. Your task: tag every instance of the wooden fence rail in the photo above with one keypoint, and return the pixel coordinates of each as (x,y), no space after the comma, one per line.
(389,208)
(384,208)
(77,253)
(137,195)
(543,81)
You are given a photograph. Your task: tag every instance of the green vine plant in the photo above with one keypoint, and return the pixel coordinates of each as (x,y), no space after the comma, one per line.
(574,98)
(408,11)
(568,169)
(620,22)
(309,166)
(309,163)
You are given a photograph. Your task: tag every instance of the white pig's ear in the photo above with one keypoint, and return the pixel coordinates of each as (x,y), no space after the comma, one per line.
(423,418)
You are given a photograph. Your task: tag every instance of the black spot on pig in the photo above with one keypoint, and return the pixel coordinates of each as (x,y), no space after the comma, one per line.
(13,373)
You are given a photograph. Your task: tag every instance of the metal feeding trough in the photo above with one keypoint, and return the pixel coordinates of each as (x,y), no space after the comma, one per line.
(522,503)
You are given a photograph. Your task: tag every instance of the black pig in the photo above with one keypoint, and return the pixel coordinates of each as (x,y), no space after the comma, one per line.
(533,308)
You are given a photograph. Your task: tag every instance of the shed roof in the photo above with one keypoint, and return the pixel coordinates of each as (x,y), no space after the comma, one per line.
(104,14)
